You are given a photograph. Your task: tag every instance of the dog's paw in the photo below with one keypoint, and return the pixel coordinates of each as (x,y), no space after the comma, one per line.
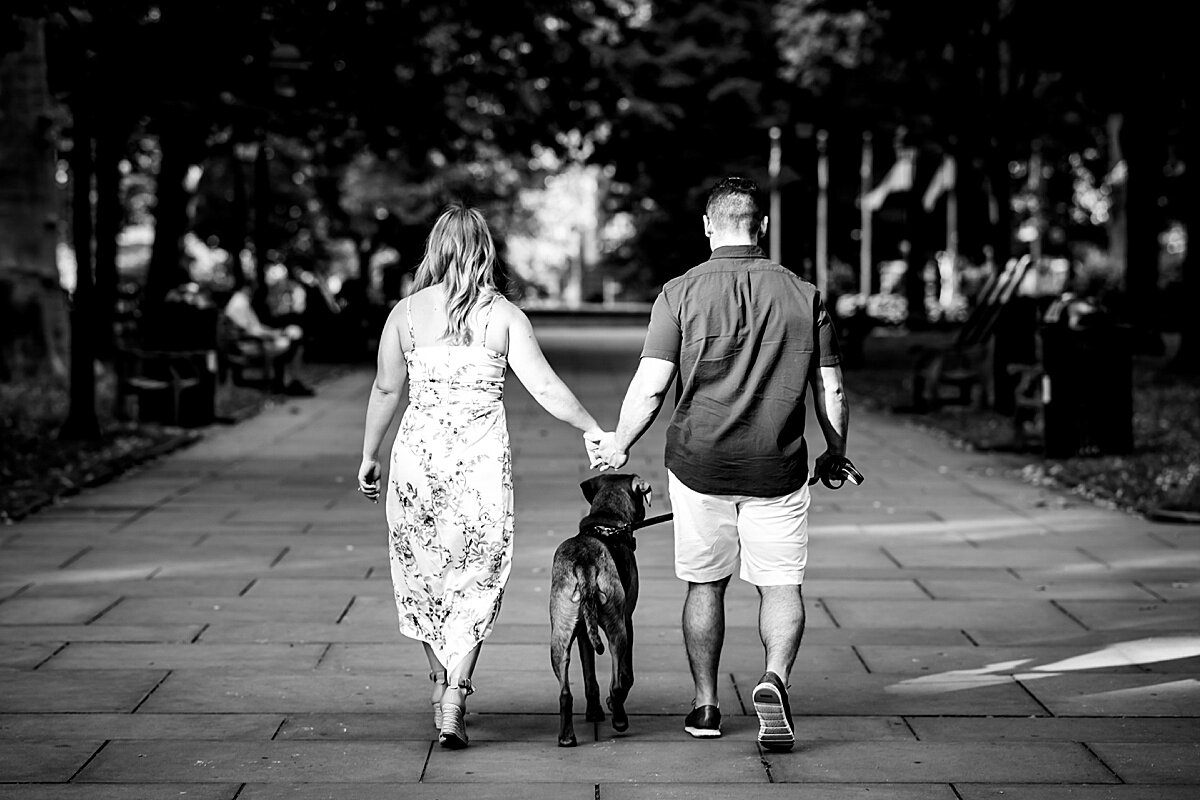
(567,741)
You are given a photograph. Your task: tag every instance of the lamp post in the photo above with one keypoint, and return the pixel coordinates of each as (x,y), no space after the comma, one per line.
(775,226)
(822,255)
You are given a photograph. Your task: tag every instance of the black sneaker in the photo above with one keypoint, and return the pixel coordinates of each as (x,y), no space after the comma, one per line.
(775,731)
(704,722)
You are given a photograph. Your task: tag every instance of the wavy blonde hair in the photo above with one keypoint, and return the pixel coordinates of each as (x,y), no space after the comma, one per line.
(460,254)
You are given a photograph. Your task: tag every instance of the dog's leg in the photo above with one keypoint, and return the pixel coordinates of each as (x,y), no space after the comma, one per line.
(622,672)
(591,689)
(560,659)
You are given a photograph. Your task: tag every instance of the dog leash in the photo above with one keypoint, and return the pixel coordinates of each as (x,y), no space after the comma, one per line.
(838,469)
(646,523)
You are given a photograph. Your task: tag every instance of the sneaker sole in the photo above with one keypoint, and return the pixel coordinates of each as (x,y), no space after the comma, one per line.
(703,733)
(774,732)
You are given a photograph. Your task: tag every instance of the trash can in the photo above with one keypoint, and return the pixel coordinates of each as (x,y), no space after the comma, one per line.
(1087,389)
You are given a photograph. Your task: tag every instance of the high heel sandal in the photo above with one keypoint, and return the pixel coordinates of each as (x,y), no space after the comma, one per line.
(439,678)
(454,727)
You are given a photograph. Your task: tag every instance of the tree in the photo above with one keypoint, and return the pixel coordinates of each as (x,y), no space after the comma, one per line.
(31,302)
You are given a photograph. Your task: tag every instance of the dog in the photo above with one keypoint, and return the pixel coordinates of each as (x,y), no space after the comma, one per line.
(594,587)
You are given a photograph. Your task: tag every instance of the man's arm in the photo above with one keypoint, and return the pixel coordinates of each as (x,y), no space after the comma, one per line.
(642,401)
(832,410)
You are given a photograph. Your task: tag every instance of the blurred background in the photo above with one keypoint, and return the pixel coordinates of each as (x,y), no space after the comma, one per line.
(992,194)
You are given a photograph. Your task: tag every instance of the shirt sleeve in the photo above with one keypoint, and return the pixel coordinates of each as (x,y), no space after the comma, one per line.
(663,336)
(828,351)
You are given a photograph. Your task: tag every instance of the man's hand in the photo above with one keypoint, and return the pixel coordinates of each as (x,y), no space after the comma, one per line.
(610,457)
(823,460)
(368,479)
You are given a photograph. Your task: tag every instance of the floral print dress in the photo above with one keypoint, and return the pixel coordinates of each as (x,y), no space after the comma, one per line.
(450,497)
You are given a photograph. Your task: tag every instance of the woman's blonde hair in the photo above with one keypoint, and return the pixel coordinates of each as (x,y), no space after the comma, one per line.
(459,253)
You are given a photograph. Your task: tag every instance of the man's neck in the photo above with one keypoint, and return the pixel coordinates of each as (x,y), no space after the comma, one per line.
(730,240)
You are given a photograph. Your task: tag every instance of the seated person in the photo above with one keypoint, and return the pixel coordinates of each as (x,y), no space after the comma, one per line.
(282,345)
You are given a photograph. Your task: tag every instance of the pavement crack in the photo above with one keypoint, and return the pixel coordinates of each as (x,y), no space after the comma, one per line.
(737,692)
(346,610)
(1069,615)
(57,650)
(105,610)
(153,689)
(766,764)
(75,557)
(91,758)
(425,766)
(1096,756)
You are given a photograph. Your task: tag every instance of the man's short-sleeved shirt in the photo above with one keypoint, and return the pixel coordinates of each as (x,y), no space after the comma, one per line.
(746,334)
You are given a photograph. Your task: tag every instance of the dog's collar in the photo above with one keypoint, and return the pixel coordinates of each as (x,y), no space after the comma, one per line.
(620,534)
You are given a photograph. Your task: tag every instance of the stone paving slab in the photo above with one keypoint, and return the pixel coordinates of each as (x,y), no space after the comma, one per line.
(1059,729)
(1117,695)
(1014,589)
(1025,791)
(966,614)
(155,587)
(119,791)
(101,726)
(86,655)
(1140,762)
(242,762)
(44,761)
(726,761)
(139,610)
(939,762)
(99,633)
(76,690)
(812,791)
(415,791)
(1142,616)
(24,655)
(896,659)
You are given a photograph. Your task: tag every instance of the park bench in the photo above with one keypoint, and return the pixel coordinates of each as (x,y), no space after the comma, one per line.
(160,380)
(962,374)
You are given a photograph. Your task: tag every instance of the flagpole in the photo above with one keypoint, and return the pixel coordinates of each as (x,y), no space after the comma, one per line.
(822,212)
(864,242)
(775,226)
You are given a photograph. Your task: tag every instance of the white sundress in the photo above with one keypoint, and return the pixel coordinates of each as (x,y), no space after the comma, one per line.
(450,497)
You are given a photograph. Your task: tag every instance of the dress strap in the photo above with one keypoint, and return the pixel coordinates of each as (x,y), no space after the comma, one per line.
(487,318)
(412,339)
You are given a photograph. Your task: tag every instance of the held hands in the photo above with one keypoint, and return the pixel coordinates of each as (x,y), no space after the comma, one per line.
(368,479)
(602,451)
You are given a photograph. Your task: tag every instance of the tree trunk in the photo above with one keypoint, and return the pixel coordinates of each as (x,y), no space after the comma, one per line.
(81,422)
(1187,359)
(238,230)
(110,146)
(262,222)
(1144,147)
(33,316)
(170,211)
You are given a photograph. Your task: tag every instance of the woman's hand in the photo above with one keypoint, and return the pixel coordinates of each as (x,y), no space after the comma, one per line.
(368,478)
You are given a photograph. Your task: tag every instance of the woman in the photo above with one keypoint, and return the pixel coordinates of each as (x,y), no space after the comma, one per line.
(450,500)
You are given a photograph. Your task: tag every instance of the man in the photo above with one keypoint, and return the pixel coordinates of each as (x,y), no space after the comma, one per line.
(746,337)
(279,348)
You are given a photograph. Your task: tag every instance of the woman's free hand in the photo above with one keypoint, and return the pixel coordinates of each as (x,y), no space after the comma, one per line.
(368,479)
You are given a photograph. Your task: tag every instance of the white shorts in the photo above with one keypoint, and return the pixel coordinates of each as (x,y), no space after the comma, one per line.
(769,533)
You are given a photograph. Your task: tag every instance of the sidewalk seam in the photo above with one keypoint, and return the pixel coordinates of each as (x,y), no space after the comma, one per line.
(90,759)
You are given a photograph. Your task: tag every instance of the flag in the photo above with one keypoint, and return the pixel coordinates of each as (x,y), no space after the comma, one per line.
(898,179)
(943,181)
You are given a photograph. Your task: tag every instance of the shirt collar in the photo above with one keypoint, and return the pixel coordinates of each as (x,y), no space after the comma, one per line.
(738,251)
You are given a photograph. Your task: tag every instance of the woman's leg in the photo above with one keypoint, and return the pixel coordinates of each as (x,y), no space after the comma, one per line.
(457,691)
(437,672)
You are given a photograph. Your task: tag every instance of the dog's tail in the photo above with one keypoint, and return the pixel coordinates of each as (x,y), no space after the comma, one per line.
(588,594)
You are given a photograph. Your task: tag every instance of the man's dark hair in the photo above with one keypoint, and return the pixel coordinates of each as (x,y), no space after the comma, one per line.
(735,204)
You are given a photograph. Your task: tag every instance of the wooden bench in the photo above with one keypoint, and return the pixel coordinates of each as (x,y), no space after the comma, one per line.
(164,375)
(961,373)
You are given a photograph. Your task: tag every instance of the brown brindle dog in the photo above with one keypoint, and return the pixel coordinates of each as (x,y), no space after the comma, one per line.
(593,587)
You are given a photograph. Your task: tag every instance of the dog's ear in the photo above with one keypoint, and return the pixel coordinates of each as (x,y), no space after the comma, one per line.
(591,486)
(642,487)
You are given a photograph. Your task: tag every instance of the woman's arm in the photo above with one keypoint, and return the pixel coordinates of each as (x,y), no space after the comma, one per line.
(529,363)
(390,375)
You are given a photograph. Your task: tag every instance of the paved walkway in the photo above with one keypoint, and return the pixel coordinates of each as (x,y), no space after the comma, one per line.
(219,625)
